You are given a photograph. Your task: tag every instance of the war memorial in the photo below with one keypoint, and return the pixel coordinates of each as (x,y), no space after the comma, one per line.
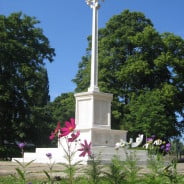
(92,116)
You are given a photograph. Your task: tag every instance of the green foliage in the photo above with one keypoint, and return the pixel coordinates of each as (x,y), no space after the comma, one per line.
(42,124)
(22,171)
(156,164)
(162,173)
(116,174)
(63,107)
(49,174)
(23,78)
(126,172)
(94,170)
(9,151)
(9,180)
(131,168)
(171,173)
(70,170)
(177,148)
(21,174)
(143,70)
(83,76)
(147,113)
(70,167)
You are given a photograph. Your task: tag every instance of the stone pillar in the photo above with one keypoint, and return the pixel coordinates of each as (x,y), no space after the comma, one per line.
(93,110)
(93,119)
(94,49)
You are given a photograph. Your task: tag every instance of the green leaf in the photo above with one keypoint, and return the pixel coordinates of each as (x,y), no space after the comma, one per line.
(20,173)
(47,174)
(20,163)
(29,163)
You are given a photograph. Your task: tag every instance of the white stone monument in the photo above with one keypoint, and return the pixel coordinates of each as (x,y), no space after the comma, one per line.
(93,108)
(92,114)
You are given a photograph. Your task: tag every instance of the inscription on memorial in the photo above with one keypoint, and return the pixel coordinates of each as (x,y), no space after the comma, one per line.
(101,112)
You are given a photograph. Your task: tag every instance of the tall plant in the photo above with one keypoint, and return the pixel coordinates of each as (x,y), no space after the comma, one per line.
(22,170)
(69,142)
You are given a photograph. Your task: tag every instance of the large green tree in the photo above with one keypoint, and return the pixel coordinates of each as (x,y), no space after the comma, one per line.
(23,78)
(136,65)
(147,113)
(62,108)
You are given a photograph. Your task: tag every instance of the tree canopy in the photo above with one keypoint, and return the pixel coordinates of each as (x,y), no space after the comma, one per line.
(62,108)
(143,69)
(23,78)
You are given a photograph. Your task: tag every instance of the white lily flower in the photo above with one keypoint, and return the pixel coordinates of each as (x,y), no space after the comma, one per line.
(157,142)
(117,145)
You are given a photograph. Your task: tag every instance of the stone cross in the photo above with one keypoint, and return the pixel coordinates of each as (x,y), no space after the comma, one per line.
(94,4)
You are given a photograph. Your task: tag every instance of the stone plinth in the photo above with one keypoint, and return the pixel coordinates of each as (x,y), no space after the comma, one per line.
(93,109)
(102,137)
(93,119)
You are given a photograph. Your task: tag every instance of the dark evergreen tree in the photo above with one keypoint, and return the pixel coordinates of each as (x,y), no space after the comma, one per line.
(23,78)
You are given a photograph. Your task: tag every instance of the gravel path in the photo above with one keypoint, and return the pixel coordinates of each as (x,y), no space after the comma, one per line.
(36,170)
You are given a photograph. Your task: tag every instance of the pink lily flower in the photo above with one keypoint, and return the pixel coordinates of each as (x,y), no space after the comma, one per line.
(86,149)
(74,136)
(69,127)
(53,134)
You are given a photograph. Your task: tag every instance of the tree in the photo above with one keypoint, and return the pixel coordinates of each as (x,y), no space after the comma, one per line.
(41,125)
(134,61)
(23,78)
(63,108)
(146,113)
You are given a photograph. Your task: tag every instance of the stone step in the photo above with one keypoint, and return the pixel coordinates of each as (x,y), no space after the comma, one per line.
(107,153)
(104,153)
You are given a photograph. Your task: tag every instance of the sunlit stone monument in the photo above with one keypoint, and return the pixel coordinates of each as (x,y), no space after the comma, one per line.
(93,108)
(92,114)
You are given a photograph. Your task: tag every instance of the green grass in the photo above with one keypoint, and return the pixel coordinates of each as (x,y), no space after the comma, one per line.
(81,180)
(6,180)
(118,172)
(12,180)
(146,179)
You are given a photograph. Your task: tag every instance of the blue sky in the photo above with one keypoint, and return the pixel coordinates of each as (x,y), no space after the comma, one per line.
(67,23)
